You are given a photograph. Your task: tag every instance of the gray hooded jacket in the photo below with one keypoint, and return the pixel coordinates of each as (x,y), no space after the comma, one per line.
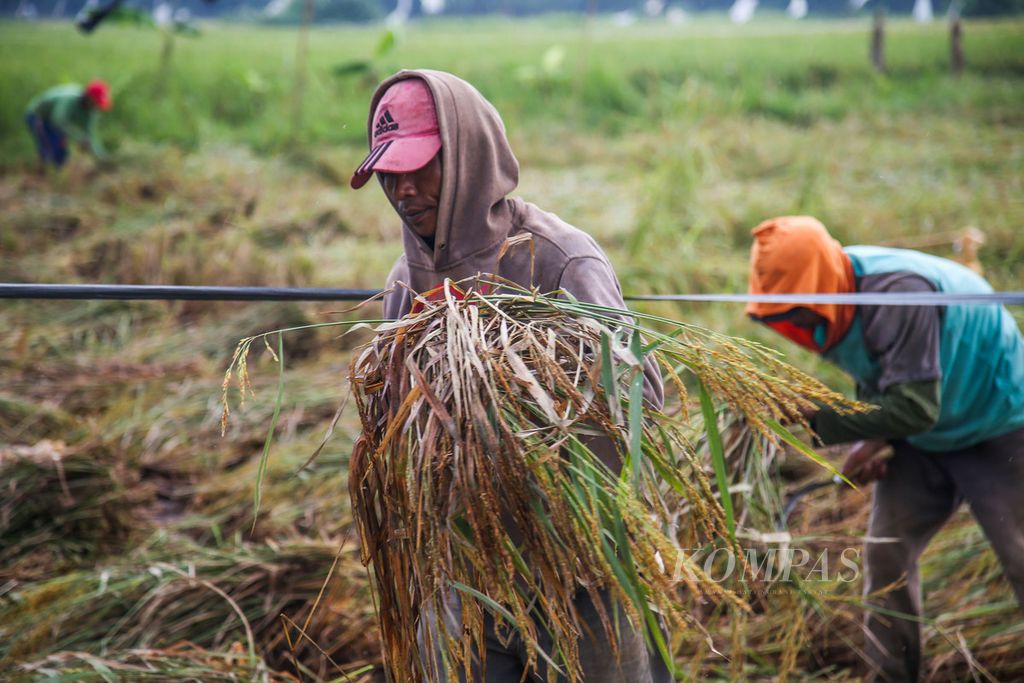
(476,216)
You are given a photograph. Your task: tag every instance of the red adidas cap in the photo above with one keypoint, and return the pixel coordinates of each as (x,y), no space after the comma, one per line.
(405,132)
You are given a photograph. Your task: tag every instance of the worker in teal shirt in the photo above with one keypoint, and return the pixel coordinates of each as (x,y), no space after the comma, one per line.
(67,111)
(948,383)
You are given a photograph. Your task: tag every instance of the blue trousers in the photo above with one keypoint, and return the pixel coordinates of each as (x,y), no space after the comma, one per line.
(51,143)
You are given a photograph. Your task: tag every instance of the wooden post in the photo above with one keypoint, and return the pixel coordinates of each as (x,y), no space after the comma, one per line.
(967,245)
(956,48)
(878,41)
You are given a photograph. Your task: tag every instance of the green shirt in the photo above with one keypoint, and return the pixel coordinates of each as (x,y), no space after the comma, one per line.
(64,107)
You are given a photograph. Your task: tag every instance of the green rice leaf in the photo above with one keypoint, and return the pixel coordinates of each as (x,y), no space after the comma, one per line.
(707,408)
(636,395)
(796,443)
(608,372)
(264,457)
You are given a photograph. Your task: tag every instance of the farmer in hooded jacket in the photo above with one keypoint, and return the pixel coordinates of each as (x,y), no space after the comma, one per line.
(949,386)
(441,156)
(67,111)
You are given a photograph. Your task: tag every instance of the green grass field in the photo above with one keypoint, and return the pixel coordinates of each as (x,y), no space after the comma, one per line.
(235,83)
(668,144)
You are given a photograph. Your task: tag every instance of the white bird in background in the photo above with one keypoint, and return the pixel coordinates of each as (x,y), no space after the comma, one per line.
(163,14)
(857,4)
(26,10)
(276,8)
(742,11)
(400,14)
(432,6)
(623,19)
(923,11)
(653,8)
(675,15)
(797,9)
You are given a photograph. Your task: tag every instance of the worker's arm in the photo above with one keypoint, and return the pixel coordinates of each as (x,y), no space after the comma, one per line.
(903,410)
(92,135)
(905,342)
(78,120)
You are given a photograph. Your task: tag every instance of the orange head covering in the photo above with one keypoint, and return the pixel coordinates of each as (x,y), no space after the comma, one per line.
(796,255)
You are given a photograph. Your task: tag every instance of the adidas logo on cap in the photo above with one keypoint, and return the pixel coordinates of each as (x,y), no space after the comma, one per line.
(385,124)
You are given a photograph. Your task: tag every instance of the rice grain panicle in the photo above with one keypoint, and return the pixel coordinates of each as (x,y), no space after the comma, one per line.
(478,474)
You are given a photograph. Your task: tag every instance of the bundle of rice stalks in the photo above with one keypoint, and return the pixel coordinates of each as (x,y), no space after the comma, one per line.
(273,599)
(753,473)
(488,468)
(62,505)
(183,662)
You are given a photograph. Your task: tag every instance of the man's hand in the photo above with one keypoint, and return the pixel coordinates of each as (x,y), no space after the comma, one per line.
(804,413)
(866,461)
(808,412)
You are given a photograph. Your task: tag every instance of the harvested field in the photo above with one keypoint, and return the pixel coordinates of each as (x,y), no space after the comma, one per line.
(129,549)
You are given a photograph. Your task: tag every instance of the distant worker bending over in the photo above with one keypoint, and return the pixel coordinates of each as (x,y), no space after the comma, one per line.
(949,384)
(67,111)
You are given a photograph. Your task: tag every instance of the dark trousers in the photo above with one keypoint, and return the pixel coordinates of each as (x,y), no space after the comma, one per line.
(51,143)
(918,495)
(506,657)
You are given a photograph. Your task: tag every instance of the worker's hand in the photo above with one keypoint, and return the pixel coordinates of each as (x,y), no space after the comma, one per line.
(803,413)
(808,412)
(866,461)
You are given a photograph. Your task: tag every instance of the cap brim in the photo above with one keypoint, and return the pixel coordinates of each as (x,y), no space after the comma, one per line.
(400,155)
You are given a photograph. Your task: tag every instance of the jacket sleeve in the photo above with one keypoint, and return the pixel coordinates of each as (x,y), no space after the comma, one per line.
(68,115)
(903,410)
(93,137)
(904,339)
(78,123)
(905,342)
(592,280)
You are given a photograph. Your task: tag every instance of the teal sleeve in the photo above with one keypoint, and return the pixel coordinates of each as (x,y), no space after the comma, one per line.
(95,146)
(903,410)
(78,122)
(68,116)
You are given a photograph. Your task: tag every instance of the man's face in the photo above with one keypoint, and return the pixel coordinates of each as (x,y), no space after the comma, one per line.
(416,195)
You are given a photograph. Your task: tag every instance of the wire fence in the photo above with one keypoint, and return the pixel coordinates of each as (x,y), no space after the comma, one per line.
(79,292)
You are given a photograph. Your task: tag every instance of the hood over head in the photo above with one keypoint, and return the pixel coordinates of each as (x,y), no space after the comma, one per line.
(405,137)
(796,255)
(479,171)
